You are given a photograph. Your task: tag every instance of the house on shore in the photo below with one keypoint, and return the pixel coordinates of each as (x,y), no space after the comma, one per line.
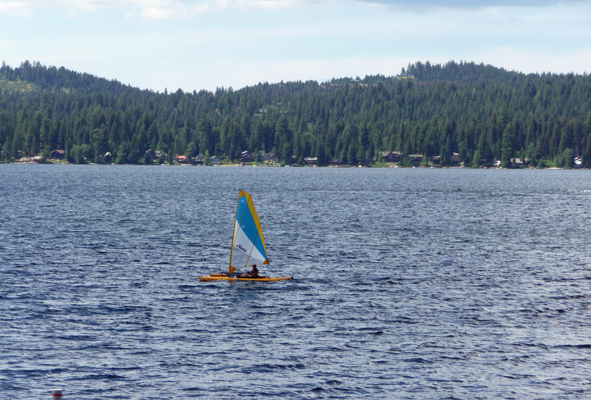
(181,159)
(57,154)
(199,159)
(246,156)
(454,160)
(391,156)
(520,162)
(311,161)
(267,157)
(415,159)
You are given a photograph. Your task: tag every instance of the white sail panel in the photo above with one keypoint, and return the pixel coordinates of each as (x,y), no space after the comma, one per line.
(244,253)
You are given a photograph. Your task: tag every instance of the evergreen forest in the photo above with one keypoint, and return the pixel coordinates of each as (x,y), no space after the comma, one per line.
(481,112)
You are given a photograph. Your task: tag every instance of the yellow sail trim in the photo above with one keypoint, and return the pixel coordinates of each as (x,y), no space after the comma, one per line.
(255,216)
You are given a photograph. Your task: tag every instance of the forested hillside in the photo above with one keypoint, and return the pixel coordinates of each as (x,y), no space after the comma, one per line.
(481,112)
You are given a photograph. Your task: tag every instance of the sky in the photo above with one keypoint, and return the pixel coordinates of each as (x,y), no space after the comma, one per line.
(206,44)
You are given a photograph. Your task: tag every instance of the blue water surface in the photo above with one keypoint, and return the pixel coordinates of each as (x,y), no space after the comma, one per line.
(409,283)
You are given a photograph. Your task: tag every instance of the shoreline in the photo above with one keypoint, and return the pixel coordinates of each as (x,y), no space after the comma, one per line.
(387,166)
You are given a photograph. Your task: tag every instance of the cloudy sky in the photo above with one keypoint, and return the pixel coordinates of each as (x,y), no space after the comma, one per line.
(204,44)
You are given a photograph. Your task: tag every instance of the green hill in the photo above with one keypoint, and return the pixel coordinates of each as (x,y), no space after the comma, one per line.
(482,112)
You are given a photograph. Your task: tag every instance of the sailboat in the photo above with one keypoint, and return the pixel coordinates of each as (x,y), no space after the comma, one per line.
(248,244)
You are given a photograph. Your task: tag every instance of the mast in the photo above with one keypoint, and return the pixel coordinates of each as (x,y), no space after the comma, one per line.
(231,268)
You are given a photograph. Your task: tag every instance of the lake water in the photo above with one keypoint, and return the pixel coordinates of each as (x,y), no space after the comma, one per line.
(409,283)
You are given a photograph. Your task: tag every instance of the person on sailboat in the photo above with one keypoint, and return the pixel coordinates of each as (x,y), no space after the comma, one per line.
(253,273)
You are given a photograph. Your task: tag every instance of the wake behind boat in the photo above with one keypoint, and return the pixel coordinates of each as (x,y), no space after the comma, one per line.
(248,245)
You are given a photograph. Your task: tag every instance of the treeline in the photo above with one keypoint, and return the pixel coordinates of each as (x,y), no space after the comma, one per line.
(479,111)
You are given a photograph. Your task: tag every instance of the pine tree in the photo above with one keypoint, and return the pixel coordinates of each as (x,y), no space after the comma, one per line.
(507,147)
(586,162)
(568,159)
(207,161)
(321,152)
(476,159)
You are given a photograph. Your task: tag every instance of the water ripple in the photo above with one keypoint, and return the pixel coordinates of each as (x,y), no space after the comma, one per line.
(409,284)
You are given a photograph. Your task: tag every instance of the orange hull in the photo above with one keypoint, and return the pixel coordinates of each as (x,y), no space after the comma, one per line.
(220,277)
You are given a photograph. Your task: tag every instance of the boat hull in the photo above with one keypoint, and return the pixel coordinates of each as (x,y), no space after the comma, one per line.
(219,277)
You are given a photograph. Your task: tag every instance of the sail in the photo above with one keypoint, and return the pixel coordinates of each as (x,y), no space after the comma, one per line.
(248,243)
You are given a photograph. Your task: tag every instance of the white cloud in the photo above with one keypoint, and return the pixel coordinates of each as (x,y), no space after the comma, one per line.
(149,9)
(470,3)
(15,8)
(190,9)
(165,10)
